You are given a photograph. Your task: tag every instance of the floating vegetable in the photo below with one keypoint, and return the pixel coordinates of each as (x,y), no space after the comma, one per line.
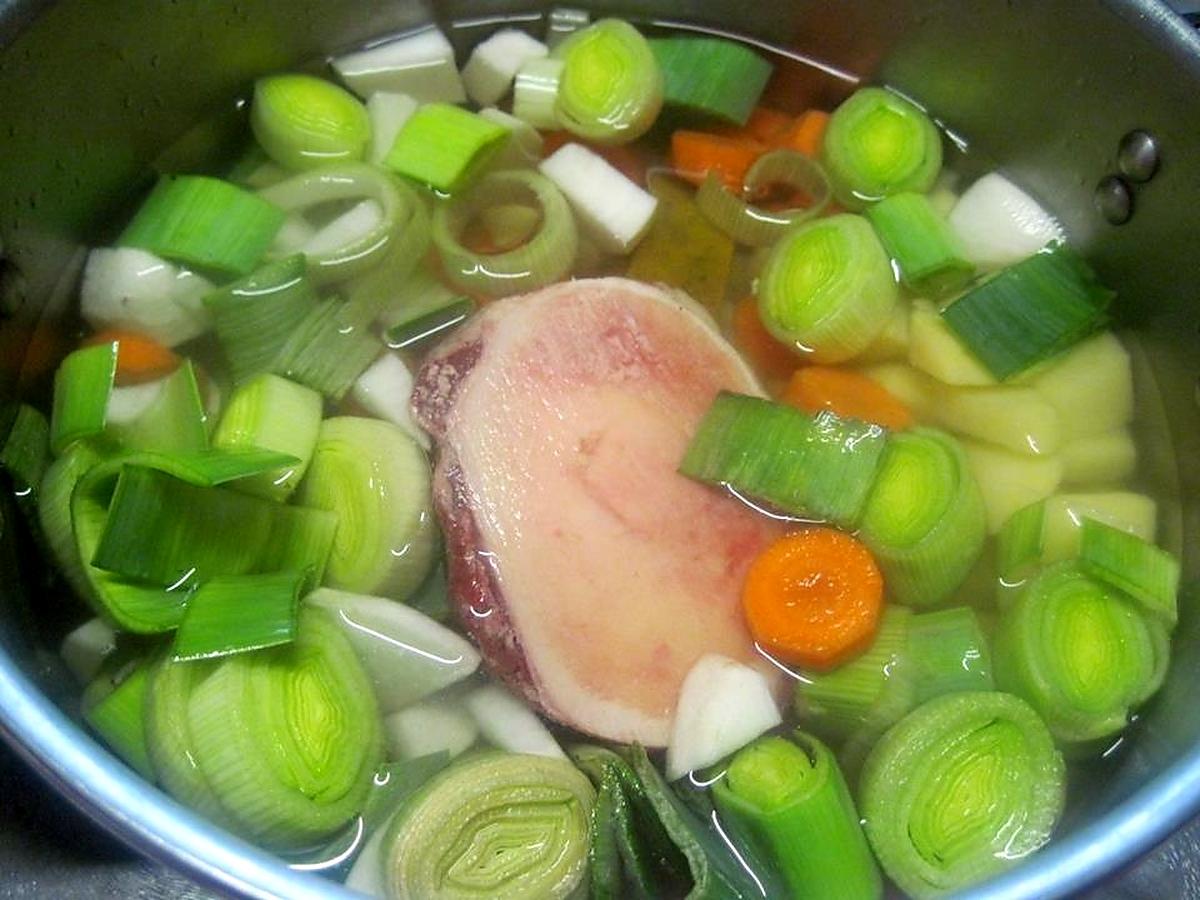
(304,122)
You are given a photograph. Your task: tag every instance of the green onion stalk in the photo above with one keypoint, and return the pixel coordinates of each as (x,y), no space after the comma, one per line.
(959,790)
(494,825)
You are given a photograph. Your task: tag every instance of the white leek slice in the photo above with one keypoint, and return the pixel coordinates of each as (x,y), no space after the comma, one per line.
(1009,481)
(352,225)
(127,403)
(723,705)
(388,112)
(493,65)
(295,232)
(86,648)
(429,727)
(936,350)
(384,390)
(535,92)
(524,146)
(1107,458)
(407,654)
(507,723)
(614,210)
(420,65)
(999,224)
(1091,386)
(125,287)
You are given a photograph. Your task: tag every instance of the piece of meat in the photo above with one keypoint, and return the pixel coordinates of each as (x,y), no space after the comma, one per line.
(590,573)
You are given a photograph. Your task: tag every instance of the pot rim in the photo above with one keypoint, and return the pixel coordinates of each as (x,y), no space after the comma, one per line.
(152,823)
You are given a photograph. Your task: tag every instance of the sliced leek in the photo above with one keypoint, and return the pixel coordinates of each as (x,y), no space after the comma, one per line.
(288,738)
(959,790)
(611,88)
(376,479)
(205,223)
(304,122)
(401,229)
(544,258)
(115,709)
(924,519)
(239,613)
(827,288)
(444,146)
(877,144)
(1079,651)
(753,225)
(272,413)
(793,798)
(82,386)
(927,253)
(492,825)
(1125,561)
(710,76)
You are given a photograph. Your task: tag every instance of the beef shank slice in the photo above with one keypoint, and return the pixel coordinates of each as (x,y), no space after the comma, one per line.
(589,572)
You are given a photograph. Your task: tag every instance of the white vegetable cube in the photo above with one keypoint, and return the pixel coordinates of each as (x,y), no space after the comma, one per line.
(125,287)
(388,112)
(999,224)
(613,209)
(385,389)
(493,65)
(420,65)
(723,705)
(354,223)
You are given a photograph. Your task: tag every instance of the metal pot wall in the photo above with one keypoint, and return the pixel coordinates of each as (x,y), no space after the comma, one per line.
(92,90)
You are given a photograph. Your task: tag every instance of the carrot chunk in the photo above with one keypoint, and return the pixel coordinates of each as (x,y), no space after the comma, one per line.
(696,153)
(850,394)
(813,598)
(806,133)
(773,360)
(139,358)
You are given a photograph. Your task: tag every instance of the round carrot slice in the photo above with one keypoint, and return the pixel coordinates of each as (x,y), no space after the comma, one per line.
(813,598)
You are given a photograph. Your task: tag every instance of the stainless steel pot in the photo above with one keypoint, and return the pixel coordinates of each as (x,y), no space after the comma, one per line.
(92,90)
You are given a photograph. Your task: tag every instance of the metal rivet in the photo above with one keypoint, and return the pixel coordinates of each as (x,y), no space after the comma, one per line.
(1137,155)
(1114,200)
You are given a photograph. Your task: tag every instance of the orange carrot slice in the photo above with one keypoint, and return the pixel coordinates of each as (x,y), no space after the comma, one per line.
(696,153)
(849,394)
(766,124)
(806,133)
(139,358)
(773,360)
(813,598)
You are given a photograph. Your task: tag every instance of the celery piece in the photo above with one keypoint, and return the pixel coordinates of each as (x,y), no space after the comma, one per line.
(204,222)
(711,77)
(444,146)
